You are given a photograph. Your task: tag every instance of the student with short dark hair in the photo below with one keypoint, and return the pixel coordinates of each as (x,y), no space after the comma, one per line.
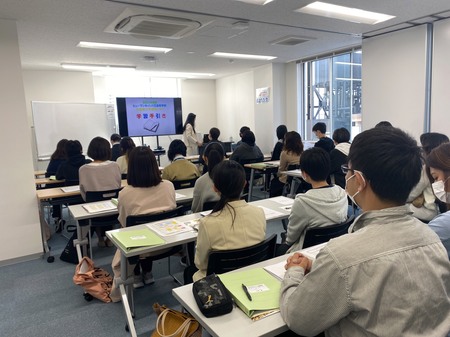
(180,168)
(324,142)
(338,156)
(247,150)
(383,124)
(372,281)
(213,137)
(321,206)
(126,145)
(146,193)
(241,133)
(281,132)
(115,146)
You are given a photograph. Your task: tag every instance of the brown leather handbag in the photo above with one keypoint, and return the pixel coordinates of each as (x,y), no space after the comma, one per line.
(173,323)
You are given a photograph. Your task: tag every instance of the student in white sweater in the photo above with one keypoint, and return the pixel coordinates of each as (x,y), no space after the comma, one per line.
(321,206)
(204,187)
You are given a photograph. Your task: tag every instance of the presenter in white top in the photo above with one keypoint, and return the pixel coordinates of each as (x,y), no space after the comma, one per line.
(190,136)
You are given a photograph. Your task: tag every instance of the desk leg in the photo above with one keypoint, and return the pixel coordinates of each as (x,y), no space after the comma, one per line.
(250,185)
(81,240)
(45,229)
(126,307)
(126,292)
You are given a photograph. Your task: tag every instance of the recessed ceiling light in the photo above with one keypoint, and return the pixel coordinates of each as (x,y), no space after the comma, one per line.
(97,67)
(256,2)
(173,74)
(243,56)
(344,13)
(98,45)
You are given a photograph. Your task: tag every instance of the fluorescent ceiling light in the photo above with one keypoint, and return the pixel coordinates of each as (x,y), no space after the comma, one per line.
(98,67)
(98,45)
(243,56)
(163,74)
(256,2)
(344,13)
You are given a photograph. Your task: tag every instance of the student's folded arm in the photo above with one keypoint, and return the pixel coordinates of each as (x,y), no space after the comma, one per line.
(311,304)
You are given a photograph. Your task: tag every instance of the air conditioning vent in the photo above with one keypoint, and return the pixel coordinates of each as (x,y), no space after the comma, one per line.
(157,25)
(291,40)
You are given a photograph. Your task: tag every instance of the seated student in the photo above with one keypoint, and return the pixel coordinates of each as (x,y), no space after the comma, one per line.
(321,206)
(115,146)
(373,281)
(247,150)
(241,133)
(146,193)
(324,142)
(203,189)
(338,156)
(232,224)
(292,149)
(69,169)
(56,158)
(421,200)
(213,137)
(281,132)
(438,162)
(126,145)
(180,168)
(99,175)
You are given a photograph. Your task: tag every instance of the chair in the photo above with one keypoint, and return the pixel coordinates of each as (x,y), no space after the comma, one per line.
(315,236)
(134,220)
(179,184)
(226,260)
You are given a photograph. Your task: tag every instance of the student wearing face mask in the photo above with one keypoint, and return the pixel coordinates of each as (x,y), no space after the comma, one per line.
(439,163)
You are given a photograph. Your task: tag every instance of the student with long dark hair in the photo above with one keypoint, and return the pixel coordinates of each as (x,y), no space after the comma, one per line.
(57,158)
(190,136)
(233,223)
(204,187)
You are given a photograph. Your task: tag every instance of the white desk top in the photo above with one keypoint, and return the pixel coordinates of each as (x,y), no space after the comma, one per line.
(293,173)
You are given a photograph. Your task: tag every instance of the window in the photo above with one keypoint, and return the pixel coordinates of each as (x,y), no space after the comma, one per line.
(332,93)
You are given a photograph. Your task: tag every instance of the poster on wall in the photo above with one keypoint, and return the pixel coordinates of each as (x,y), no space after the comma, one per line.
(262,95)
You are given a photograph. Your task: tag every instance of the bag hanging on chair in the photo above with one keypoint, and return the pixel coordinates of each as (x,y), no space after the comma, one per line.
(95,281)
(173,323)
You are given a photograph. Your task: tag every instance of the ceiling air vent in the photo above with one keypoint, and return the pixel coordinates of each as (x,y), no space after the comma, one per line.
(157,25)
(291,40)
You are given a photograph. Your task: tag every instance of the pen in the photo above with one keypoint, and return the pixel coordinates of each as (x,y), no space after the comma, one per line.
(246,292)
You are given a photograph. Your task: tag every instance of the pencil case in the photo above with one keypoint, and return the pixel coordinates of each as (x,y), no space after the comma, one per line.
(212,298)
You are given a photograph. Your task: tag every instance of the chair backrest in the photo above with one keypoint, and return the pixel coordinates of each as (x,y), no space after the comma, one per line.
(92,196)
(133,220)
(222,261)
(290,168)
(179,184)
(209,205)
(315,236)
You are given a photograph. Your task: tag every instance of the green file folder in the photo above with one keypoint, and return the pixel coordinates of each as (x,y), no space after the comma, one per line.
(138,238)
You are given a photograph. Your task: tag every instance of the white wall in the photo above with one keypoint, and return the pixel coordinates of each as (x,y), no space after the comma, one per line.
(440,97)
(20,228)
(393,78)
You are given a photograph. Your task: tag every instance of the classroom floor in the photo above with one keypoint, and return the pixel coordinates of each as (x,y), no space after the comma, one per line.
(40,299)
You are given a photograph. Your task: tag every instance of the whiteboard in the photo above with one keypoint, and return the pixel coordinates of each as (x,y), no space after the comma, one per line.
(54,121)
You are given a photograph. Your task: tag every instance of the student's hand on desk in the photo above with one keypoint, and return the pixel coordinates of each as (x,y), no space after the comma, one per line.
(299,260)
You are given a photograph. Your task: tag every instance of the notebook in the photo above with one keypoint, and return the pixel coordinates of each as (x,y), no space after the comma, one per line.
(70,188)
(101,206)
(137,238)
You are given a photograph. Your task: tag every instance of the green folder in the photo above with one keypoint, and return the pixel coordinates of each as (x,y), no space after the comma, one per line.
(263,288)
(138,238)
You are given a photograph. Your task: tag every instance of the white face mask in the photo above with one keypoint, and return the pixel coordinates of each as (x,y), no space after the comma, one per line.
(439,190)
(352,197)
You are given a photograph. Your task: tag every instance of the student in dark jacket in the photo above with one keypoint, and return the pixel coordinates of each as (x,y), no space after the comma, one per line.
(281,132)
(247,151)
(115,148)
(56,158)
(68,170)
(324,142)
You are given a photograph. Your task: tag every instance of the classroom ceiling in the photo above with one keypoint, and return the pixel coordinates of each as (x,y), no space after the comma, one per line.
(49,31)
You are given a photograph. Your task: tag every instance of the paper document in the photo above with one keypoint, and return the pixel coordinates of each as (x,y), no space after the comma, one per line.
(264,290)
(130,239)
(278,270)
(283,200)
(169,227)
(179,196)
(270,213)
(205,213)
(101,206)
(193,224)
(70,188)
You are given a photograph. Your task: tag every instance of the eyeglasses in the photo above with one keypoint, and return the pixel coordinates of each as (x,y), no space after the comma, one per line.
(345,168)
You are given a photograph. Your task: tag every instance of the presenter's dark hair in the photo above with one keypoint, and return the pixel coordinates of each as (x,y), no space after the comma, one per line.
(99,149)
(229,180)
(341,135)
(215,154)
(249,138)
(143,170)
(316,163)
(281,131)
(190,119)
(293,142)
(176,147)
(60,152)
(390,161)
(126,145)
(73,147)
(320,126)
(214,133)
(431,140)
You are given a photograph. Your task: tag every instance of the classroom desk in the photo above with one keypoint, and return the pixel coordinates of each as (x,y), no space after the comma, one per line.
(47,181)
(261,167)
(295,182)
(280,210)
(39,173)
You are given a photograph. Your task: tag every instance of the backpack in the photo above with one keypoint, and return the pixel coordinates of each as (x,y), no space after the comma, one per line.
(69,254)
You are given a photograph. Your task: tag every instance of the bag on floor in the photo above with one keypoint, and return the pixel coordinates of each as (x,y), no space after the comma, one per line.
(173,323)
(69,253)
(95,281)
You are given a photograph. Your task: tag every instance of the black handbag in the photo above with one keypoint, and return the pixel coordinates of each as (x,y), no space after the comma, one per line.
(212,298)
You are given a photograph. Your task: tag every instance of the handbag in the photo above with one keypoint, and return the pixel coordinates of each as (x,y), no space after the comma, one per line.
(95,281)
(212,298)
(173,323)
